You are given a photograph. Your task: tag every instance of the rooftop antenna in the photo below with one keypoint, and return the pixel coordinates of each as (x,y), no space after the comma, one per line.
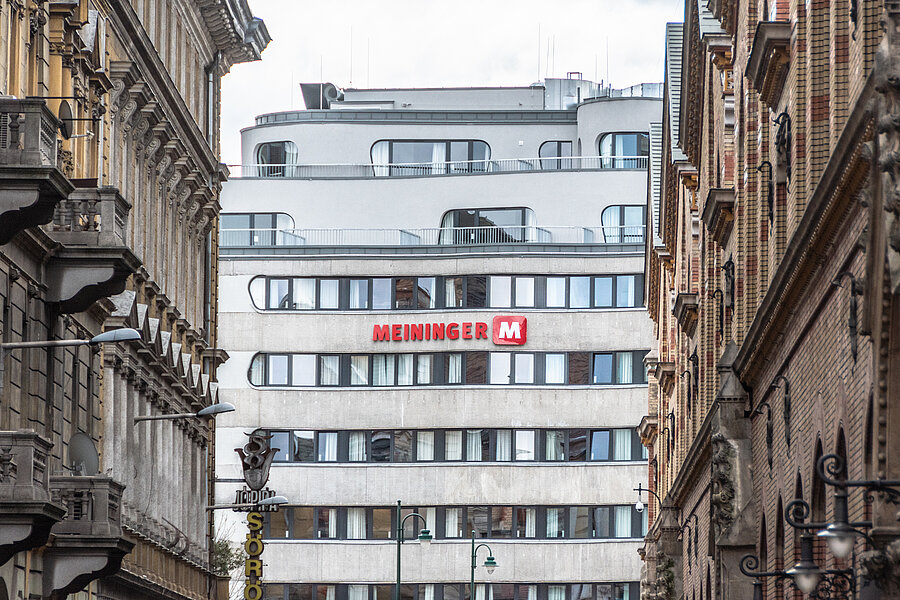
(547,63)
(539,53)
(368,61)
(607,60)
(321,85)
(292,91)
(351,56)
(595,67)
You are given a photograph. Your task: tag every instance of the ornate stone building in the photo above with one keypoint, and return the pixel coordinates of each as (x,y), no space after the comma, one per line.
(109,184)
(772,280)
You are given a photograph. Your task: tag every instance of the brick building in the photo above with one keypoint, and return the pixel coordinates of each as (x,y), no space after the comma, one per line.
(109,185)
(771,276)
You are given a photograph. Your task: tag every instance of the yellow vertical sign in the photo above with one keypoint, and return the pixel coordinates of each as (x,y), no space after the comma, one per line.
(253,566)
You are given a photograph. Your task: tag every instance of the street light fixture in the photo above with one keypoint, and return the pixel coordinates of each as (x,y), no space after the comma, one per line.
(424,537)
(639,505)
(489,564)
(210,411)
(270,501)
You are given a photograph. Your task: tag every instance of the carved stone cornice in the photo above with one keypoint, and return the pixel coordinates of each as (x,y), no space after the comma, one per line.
(769,60)
(686,312)
(718,214)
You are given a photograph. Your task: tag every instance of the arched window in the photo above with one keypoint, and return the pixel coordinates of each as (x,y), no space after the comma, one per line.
(274,159)
(624,150)
(555,155)
(489,226)
(623,224)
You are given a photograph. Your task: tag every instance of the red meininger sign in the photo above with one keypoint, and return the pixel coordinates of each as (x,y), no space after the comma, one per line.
(505,331)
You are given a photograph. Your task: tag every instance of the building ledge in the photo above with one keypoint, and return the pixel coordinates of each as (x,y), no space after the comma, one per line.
(686,312)
(79,276)
(718,214)
(647,428)
(769,60)
(665,375)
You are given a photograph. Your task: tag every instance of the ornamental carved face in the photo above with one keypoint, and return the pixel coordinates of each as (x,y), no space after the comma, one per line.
(256,458)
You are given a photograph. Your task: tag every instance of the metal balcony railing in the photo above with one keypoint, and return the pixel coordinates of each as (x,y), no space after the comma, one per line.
(27,134)
(429,169)
(435,236)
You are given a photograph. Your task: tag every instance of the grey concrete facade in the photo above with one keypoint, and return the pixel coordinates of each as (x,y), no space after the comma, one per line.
(557,198)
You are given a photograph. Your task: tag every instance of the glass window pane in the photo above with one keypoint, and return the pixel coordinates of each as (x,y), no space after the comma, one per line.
(328,446)
(453,528)
(525,522)
(278,293)
(500,368)
(359,293)
(622,521)
(427,292)
(453,368)
(453,292)
(453,445)
(278,369)
(424,445)
(603,292)
(476,368)
(579,368)
(403,446)
(524,368)
(381,523)
(555,368)
(383,369)
(404,369)
(477,520)
(601,522)
(600,445)
(326,523)
(476,293)
(579,292)
(258,292)
(577,444)
(473,446)
(381,446)
(359,370)
(625,291)
(525,292)
(423,369)
(381,294)
(403,293)
(602,369)
(329,370)
(303,369)
(325,592)
(579,522)
(303,525)
(282,441)
(524,444)
(622,444)
(624,367)
(501,522)
(357,446)
(304,446)
(556,292)
(556,522)
(500,291)
(329,293)
(304,294)
(555,445)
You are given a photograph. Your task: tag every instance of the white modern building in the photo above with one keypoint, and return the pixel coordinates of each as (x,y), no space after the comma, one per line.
(435,296)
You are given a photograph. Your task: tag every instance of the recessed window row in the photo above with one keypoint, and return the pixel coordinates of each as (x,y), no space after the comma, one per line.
(454,591)
(454,522)
(457,445)
(448,368)
(447,292)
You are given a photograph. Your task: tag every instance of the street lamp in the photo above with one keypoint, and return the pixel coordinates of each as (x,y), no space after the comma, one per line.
(489,564)
(424,537)
(270,501)
(111,336)
(210,411)
(639,506)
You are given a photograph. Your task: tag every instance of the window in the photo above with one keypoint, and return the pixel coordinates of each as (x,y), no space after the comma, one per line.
(524,445)
(624,150)
(623,224)
(274,159)
(255,229)
(411,158)
(359,294)
(556,292)
(554,154)
(488,226)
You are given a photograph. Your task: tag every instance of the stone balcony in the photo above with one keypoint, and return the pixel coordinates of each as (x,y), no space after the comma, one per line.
(27,513)
(89,543)
(31,181)
(93,260)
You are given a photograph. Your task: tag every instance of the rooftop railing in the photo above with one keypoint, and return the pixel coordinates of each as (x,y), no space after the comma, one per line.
(436,236)
(430,169)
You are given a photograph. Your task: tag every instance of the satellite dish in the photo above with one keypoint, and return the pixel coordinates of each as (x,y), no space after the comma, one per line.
(66,122)
(83,457)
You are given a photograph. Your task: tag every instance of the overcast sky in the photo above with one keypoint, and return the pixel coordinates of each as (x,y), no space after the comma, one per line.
(431,43)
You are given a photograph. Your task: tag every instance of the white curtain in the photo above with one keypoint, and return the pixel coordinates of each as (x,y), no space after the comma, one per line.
(332,523)
(381,153)
(453,445)
(430,515)
(480,590)
(451,522)
(500,368)
(438,158)
(330,367)
(329,290)
(383,369)
(429,592)
(612,233)
(473,445)
(256,370)
(504,445)
(625,290)
(621,444)
(304,294)
(357,592)
(556,592)
(532,592)
(291,156)
(623,367)
(359,370)
(423,369)
(530,522)
(454,368)
(556,292)
(328,447)
(303,370)
(555,368)
(405,369)
(356,523)
(524,445)
(555,445)
(623,521)
(553,528)
(425,445)
(525,368)
(357,446)
(329,593)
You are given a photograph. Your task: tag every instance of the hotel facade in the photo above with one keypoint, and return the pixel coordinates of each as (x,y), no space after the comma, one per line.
(435,296)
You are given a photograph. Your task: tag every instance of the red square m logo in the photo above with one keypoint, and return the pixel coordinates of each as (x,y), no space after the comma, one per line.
(510,331)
